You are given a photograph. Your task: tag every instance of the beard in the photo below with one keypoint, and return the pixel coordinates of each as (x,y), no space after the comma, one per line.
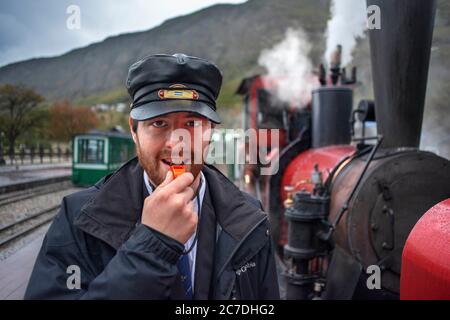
(157,170)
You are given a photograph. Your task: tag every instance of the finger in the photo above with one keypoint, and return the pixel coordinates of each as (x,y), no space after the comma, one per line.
(189,211)
(187,194)
(181,202)
(190,206)
(168,179)
(181,183)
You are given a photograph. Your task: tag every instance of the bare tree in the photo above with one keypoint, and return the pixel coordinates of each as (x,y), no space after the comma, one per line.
(17,106)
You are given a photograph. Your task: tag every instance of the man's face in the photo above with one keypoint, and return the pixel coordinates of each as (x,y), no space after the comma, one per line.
(172,138)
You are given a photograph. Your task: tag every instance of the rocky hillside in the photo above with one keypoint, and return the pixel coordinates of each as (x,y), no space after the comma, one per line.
(230,35)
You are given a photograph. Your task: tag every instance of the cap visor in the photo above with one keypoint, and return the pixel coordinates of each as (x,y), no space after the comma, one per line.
(158,108)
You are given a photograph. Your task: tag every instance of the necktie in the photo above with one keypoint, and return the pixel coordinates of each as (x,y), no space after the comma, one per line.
(185,271)
(183,262)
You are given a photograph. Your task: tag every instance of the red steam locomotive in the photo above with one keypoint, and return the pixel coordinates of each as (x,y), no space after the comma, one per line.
(342,207)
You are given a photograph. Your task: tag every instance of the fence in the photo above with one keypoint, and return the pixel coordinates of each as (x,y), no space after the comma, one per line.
(36,155)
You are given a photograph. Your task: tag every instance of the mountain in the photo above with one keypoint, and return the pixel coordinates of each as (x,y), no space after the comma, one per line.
(230,35)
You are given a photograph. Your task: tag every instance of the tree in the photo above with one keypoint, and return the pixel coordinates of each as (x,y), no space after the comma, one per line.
(18,106)
(67,120)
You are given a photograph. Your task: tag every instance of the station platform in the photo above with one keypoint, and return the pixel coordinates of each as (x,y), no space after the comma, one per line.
(14,178)
(29,167)
(15,271)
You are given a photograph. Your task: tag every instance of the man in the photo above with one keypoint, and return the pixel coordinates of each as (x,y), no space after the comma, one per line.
(141,233)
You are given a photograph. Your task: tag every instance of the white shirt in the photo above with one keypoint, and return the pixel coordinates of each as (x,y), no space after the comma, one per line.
(201,194)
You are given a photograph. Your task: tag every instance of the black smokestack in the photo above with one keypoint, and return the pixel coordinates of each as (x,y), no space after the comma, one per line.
(400,54)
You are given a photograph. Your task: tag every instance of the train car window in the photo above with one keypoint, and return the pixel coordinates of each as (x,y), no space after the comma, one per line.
(91,150)
(123,153)
(120,151)
(270,112)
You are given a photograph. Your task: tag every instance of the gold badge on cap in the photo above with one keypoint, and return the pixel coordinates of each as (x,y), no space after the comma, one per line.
(178,92)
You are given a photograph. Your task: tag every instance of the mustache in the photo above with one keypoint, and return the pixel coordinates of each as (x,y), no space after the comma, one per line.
(176,154)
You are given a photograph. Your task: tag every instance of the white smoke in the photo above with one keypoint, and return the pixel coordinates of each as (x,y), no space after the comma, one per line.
(289,65)
(348,21)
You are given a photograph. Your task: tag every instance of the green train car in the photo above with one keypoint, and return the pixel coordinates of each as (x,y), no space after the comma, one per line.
(97,154)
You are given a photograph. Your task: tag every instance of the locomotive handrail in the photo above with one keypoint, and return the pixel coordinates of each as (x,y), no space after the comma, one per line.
(326,236)
(336,168)
(365,138)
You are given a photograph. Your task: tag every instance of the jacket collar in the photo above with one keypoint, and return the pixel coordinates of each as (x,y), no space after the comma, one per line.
(115,210)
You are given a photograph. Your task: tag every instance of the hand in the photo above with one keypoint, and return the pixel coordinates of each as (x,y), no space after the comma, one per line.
(170,209)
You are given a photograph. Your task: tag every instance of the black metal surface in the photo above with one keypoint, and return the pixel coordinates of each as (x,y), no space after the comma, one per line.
(400,54)
(366,110)
(298,124)
(306,220)
(331,110)
(342,277)
(307,208)
(299,286)
(304,223)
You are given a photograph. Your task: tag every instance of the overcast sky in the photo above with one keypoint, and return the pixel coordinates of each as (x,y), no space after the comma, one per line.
(30,28)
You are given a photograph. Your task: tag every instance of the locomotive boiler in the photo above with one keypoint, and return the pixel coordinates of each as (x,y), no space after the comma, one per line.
(342,206)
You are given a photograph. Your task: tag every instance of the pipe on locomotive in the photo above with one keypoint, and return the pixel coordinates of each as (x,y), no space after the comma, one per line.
(400,56)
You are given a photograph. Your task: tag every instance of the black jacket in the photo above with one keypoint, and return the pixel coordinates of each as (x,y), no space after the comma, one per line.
(99,231)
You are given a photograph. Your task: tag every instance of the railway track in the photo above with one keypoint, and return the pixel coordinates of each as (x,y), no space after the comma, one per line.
(24,226)
(16,196)
(26,213)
